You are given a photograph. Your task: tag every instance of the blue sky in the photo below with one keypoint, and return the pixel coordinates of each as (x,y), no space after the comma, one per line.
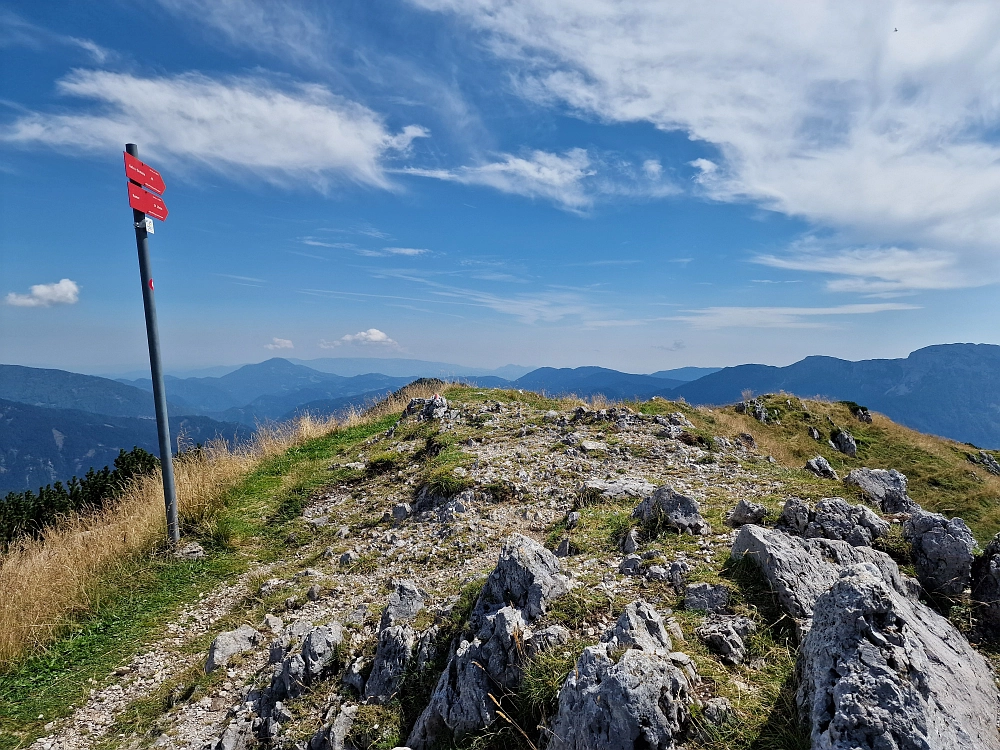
(639,185)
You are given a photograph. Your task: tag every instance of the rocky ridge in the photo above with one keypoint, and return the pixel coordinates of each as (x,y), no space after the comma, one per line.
(584,578)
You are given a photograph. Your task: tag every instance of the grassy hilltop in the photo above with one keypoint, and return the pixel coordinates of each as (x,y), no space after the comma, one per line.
(126,636)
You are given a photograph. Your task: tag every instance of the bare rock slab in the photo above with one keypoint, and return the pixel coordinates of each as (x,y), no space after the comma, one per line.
(880,670)
(672,510)
(227,645)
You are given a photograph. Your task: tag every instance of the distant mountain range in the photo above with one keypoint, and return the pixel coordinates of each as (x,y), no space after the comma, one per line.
(40,445)
(951,390)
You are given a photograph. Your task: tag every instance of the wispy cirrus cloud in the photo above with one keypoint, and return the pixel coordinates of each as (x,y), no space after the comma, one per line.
(876,271)
(875,120)
(780,317)
(573,179)
(280,134)
(16,31)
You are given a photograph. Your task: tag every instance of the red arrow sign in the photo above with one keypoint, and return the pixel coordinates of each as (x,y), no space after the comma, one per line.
(148,203)
(144,174)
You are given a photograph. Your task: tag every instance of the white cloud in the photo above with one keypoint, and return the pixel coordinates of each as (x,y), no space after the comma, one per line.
(817,110)
(248,125)
(16,31)
(371,337)
(62,292)
(542,174)
(410,251)
(779,317)
(277,343)
(573,179)
(875,271)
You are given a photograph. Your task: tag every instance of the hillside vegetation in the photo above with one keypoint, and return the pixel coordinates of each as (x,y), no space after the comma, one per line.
(324,521)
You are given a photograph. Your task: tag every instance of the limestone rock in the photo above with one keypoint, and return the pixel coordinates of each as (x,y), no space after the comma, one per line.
(705,596)
(526,576)
(726,635)
(227,645)
(395,648)
(987,461)
(942,551)
(614,490)
(642,701)
(672,510)
(631,565)
(821,468)
(334,736)
(630,543)
(795,516)
(517,592)
(640,626)
(986,589)
(405,602)
(427,408)
(800,570)
(845,443)
(884,487)
(878,670)
(746,512)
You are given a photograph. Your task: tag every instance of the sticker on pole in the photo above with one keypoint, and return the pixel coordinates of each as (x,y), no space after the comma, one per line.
(144,174)
(149,225)
(146,202)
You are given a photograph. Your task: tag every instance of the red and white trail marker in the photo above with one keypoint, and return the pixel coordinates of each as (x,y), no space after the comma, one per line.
(147,202)
(143,174)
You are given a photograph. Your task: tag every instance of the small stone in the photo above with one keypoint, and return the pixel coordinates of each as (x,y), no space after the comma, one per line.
(563,550)
(314,592)
(718,711)
(631,565)
(349,558)
(631,542)
(821,468)
(746,512)
(657,573)
(343,532)
(190,551)
(590,446)
(726,636)
(273,623)
(401,511)
(814,433)
(319,522)
(227,645)
(329,553)
(572,520)
(706,597)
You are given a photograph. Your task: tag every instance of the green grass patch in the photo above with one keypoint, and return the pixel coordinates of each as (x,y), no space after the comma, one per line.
(135,600)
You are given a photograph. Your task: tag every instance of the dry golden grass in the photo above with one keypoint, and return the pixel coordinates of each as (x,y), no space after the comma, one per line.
(47,580)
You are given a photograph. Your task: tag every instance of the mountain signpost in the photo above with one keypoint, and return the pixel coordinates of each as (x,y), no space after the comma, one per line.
(143,202)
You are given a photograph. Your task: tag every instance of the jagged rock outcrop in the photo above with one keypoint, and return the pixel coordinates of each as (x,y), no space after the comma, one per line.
(725,636)
(227,645)
(746,512)
(821,468)
(884,487)
(517,592)
(427,408)
(394,651)
(845,443)
(333,734)
(879,670)
(833,518)
(800,570)
(297,671)
(641,700)
(672,510)
(987,461)
(942,552)
(986,589)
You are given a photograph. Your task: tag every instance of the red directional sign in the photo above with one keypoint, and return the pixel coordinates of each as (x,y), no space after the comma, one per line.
(144,174)
(149,204)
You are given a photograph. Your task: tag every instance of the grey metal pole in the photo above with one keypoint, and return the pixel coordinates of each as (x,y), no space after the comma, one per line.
(156,368)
